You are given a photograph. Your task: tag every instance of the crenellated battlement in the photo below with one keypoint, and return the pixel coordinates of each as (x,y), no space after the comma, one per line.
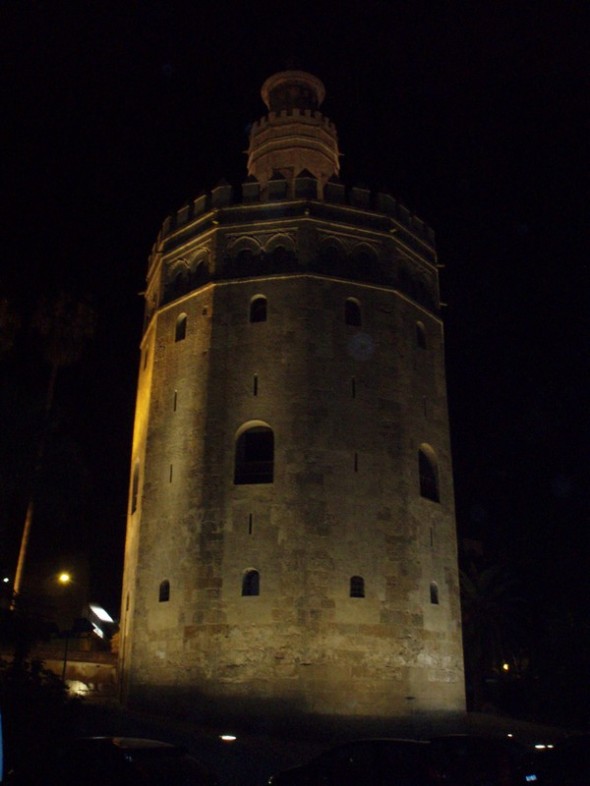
(374,204)
(289,115)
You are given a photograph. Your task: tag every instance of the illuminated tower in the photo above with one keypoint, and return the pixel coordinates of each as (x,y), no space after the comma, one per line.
(291,536)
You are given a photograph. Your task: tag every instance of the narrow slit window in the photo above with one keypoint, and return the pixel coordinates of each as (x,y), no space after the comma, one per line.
(171,471)
(251,583)
(357,587)
(250,523)
(164,592)
(175,400)
(255,385)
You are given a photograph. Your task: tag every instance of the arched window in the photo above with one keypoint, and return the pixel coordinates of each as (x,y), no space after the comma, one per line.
(180,329)
(434,593)
(357,587)
(251,583)
(258,309)
(164,592)
(428,471)
(366,264)
(352,313)
(420,335)
(201,274)
(280,257)
(180,282)
(135,488)
(254,461)
(332,254)
(245,260)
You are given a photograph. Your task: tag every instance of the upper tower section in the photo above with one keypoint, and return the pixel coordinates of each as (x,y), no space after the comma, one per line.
(294,216)
(295,136)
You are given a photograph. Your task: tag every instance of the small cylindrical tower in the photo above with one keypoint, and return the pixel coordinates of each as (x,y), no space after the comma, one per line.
(295,136)
(291,537)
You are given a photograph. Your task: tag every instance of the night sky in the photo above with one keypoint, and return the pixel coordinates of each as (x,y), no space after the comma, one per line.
(473,114)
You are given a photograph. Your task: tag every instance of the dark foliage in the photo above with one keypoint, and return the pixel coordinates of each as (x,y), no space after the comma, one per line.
(36,711)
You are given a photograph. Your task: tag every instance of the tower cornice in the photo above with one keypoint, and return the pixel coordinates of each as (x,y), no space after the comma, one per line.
(394,220)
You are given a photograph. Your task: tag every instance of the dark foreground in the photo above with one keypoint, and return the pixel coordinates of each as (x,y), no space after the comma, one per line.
(262,747)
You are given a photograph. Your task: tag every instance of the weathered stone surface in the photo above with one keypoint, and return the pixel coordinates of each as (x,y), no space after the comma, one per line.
(350,402)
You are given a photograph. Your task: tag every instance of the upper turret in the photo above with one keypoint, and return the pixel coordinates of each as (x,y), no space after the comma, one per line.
(292,90)
(294,137)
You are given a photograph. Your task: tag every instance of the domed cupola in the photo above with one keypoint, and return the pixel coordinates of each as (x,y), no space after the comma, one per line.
(295,136)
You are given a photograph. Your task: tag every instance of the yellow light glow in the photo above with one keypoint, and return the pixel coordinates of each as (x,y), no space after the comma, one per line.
(228,737)
(64,578)
(505,667)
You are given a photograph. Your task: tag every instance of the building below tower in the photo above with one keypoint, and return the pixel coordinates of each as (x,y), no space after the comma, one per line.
(291,544)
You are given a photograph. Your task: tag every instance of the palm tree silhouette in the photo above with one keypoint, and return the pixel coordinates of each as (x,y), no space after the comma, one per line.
(495,622)
(64,325)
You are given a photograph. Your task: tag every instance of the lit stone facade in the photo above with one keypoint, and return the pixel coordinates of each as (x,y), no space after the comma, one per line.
(291,536)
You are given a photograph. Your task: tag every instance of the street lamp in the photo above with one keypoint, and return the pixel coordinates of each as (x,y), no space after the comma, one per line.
(64,578)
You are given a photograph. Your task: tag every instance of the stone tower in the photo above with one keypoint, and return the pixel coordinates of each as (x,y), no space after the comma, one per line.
(291,538)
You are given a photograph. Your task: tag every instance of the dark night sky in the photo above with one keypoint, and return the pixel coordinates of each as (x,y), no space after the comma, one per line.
(473,114)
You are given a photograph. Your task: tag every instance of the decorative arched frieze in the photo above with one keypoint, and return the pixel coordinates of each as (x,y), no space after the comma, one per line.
(280,240)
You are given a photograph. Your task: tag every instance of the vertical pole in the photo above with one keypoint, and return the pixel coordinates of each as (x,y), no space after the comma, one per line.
(63,671)
(22,554)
